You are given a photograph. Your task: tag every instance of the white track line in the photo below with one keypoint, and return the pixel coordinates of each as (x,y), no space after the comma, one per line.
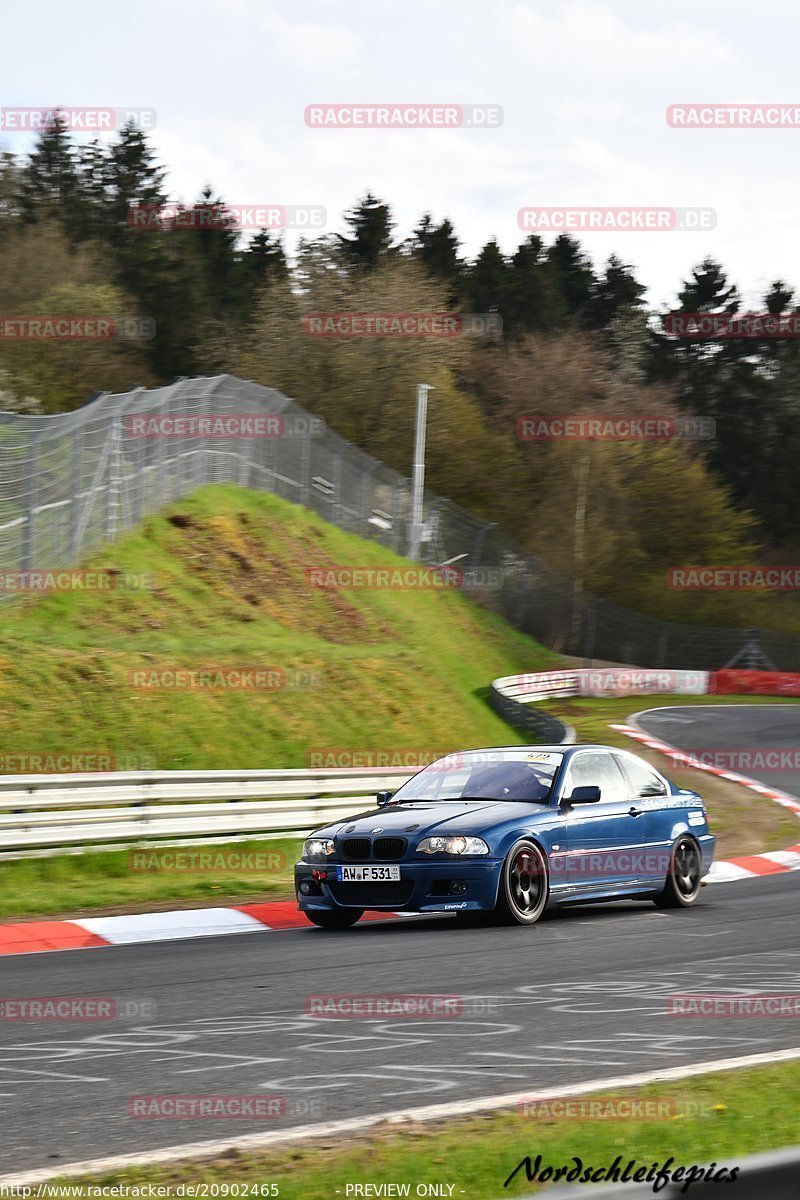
(431,1112)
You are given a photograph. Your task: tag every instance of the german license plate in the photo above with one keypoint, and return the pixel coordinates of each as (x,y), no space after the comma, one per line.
(366,874)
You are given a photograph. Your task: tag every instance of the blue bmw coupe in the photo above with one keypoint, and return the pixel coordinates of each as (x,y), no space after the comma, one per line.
(509,831)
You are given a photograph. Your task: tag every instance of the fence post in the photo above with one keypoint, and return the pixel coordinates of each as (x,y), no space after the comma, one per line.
(399,489)
(480,541)
(335,509)
(305,471)
(32,495)
(75,456)
(367,496)
(112,490)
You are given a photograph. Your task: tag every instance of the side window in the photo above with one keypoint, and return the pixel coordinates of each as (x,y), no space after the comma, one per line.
(598,770)
(644,781)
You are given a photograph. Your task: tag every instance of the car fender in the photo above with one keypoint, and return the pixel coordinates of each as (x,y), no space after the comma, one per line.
(545,839)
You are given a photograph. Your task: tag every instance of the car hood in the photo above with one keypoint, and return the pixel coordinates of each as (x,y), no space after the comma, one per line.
(449,816)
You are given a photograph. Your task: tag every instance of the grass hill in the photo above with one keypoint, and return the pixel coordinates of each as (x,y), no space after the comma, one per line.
(388,669)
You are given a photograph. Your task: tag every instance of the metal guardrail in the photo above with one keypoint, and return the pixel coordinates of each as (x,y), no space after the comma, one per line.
(513,696)
(45,813)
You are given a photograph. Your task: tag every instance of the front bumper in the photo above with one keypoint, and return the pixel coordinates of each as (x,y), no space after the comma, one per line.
(423,887)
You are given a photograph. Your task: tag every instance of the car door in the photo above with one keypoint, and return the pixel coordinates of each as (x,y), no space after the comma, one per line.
(649,793)
(604,840)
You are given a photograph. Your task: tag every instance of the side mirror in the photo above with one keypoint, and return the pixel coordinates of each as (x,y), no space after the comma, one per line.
(384,798)
(585,795)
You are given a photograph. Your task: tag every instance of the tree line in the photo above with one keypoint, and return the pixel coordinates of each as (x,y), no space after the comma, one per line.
(576,340)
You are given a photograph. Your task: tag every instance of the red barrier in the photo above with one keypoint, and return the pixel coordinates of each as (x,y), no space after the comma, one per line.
(754,683)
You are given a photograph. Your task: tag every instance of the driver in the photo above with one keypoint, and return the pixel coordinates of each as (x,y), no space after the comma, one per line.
(507,781)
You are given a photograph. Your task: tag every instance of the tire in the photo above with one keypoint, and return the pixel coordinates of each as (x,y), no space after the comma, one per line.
(524,885)
(684,879)
(335,918)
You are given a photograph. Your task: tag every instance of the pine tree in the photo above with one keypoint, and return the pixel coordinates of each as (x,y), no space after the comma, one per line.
(436,247)
(489,282)
(371,225)
(535,303)
(616,291)
(49,184)
(574,275)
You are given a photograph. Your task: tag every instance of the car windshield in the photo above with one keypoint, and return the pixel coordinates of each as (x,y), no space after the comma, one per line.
(485,775)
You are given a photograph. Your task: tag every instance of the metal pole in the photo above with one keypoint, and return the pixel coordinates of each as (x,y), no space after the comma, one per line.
(418,486)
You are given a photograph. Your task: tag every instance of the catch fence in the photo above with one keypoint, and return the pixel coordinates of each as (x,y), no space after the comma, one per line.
(74,481)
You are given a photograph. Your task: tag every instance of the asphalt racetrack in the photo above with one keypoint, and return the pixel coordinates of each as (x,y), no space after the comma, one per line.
(581,996)
(741,736)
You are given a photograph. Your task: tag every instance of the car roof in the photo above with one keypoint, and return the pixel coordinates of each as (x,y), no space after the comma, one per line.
(549,749)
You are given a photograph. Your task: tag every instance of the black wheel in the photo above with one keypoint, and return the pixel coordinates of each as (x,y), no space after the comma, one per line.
(524,885)
(684,880)
(334,918)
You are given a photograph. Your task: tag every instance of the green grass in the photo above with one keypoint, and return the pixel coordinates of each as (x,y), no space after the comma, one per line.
(116,880)
(397,671)
(404,670)
(730,1115)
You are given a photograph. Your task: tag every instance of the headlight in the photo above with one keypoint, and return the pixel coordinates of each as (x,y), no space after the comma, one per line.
(316,848)
(452,845)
